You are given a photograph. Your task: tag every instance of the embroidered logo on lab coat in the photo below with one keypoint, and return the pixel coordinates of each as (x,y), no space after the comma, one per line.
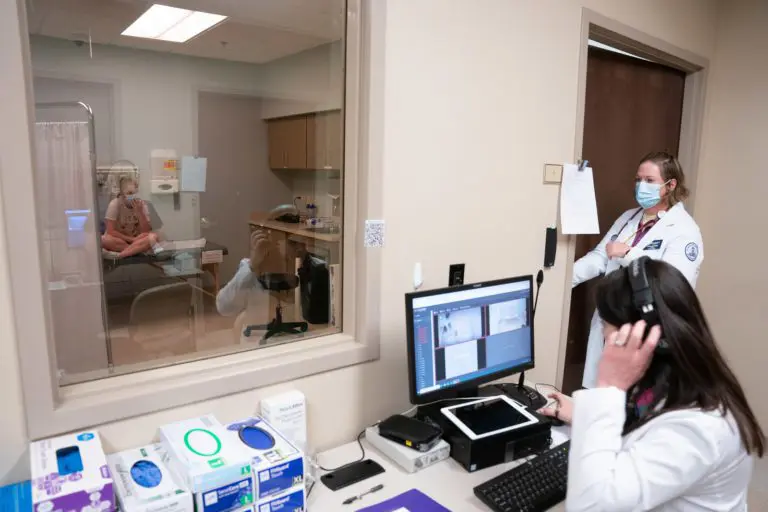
(653,246)
(692,251)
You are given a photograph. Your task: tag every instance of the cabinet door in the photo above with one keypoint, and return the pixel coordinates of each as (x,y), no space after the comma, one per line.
(324,141)
(296,142)
(315,142)
(334,141)
(276,136)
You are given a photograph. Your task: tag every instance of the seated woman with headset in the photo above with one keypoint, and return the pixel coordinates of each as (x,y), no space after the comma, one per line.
(668,426)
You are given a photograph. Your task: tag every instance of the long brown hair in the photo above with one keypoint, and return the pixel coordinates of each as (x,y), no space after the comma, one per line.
(693,373)
(670,170)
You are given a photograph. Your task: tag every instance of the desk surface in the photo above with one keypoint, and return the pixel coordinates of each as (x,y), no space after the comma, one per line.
(258,219)
(446,482)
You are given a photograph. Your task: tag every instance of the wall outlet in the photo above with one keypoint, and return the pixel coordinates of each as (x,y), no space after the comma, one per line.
(456,274)
(553,173)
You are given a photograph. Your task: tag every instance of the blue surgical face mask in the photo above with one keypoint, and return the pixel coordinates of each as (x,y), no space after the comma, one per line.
(647,194)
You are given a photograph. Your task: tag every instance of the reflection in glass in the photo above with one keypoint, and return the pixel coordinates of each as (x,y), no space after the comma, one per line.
(190,194)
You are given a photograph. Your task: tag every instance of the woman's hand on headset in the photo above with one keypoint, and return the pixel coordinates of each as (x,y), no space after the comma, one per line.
(626,356)
(561,407)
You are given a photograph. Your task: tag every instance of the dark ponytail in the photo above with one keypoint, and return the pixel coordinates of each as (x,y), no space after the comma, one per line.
(693,373)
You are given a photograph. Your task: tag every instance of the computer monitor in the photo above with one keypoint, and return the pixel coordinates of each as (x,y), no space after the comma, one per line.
(464,336)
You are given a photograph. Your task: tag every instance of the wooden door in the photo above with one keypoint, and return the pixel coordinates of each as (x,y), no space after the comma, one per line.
(295,142)
(632,107)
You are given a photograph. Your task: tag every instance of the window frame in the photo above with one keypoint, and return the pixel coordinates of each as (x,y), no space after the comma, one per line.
(52,409)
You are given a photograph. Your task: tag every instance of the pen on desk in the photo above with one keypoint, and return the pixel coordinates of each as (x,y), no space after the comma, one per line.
(353,499)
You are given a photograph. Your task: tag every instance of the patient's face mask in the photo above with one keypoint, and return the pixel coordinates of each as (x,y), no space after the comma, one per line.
(129,192)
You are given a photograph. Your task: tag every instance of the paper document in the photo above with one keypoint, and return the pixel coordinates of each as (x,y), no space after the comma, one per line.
(411,501)
(193,170)
(183,245)
(578,207)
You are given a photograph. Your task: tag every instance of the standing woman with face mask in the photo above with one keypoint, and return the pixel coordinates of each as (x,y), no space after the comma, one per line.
(659,228)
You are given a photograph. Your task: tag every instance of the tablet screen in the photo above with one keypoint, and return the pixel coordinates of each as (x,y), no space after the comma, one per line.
(489,416)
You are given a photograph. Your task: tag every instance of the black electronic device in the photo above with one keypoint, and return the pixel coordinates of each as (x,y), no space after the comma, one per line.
(315,284)
(476,454)
(410,432)
(463,336)
(351,474)
(534,486)
(521,393)
(642,298)
(550,247)
(456,274)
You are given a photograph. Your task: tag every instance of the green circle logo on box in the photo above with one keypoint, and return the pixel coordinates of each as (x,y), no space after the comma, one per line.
(202,442)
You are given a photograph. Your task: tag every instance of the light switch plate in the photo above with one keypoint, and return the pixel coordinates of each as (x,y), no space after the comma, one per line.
(553,173)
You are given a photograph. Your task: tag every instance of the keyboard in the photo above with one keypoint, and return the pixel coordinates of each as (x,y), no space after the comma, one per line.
(536,485)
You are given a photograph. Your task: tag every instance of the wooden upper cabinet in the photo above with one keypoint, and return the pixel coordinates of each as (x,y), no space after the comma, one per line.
(313,141)
(276,144)
(288,143)
(334,137)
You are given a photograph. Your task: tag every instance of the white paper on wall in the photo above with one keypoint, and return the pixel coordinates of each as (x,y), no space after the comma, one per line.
(193,173)
(578,206)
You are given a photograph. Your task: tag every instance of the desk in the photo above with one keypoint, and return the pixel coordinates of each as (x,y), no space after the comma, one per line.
(325,245)
(446,482)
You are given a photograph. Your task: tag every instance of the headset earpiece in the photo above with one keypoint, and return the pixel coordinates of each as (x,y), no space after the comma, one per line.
(642,298)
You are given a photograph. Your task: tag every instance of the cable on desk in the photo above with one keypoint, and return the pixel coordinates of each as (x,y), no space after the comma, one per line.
(311,486)
(362,457)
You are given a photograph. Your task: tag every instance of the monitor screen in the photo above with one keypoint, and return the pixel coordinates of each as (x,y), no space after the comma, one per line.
(475,333)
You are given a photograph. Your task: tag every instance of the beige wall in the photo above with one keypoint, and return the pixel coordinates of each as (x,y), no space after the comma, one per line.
(731,196)
(477,96)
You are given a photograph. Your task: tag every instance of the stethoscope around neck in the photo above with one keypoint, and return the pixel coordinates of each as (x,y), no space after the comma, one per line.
(615,236)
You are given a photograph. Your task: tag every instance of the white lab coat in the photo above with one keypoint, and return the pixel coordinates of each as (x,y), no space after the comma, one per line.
(688,460)
(675,238)
(244,294)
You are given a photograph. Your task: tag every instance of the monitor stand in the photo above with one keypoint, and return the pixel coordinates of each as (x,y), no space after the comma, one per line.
(523,394)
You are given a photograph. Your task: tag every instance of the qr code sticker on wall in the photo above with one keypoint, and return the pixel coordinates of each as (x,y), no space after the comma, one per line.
(374,233)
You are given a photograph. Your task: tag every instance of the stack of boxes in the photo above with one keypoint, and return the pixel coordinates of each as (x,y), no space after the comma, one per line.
(145,482)
(278,465)
(70,473)
(199,464)
(212,466)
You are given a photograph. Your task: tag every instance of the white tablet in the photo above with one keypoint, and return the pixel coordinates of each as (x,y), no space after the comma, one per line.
(489,416)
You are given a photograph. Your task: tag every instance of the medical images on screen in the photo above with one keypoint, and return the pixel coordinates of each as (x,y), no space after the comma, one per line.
(464,337)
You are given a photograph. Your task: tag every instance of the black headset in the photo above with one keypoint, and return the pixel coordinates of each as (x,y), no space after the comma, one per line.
(642,298)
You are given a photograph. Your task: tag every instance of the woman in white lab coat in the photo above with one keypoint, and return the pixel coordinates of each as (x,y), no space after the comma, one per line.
(660,228)
(663,430)
(244,295)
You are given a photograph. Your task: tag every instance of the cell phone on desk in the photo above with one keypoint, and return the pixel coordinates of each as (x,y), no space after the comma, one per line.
(351,474)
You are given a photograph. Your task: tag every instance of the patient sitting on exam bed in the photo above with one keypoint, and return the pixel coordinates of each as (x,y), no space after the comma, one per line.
(128,230)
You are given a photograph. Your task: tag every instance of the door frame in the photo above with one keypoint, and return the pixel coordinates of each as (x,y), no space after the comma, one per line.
(605,30)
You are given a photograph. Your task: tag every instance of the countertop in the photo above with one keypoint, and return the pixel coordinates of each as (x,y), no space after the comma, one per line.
(259,219)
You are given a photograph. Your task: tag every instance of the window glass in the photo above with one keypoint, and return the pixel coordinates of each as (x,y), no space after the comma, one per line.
(189,177)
